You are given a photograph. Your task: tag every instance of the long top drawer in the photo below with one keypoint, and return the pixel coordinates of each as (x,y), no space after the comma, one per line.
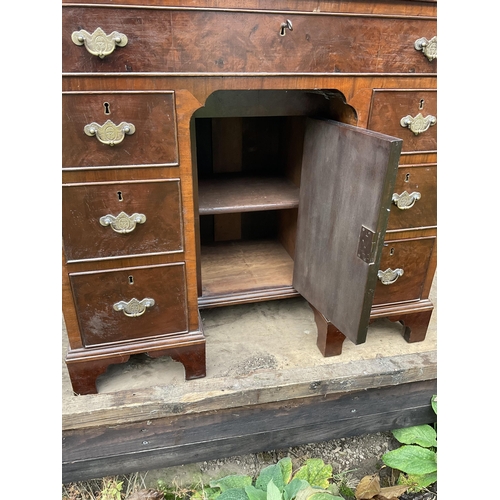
(131,39)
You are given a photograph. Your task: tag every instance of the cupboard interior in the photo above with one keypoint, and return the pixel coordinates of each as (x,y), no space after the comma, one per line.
(247,165)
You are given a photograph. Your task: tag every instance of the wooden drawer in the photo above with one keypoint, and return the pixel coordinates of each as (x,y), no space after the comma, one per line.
(151,114)
(106,220)
(412,256)
(99,296)
(389,107)
(414,198)
(205,40)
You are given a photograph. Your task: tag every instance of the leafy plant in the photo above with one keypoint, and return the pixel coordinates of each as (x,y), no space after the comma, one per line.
(275,482)
(112,490)
(417,458)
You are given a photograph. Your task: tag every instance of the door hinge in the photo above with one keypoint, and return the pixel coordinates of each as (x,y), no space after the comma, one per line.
(367,245)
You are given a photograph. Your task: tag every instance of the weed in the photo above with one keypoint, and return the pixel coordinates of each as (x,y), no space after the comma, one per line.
(417,458)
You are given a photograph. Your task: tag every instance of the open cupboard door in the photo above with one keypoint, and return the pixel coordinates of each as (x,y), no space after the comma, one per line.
(348,175)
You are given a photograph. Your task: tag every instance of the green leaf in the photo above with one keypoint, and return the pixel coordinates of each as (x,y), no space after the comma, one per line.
(270,473)
(254,493)
(273,492)
(233,494)
(411,459)
(286,469)
(231,482)
(323,495)
(311,493)
(422,480)
(423,435)
(206,493)
(434,403)
(315,472)
(293,487)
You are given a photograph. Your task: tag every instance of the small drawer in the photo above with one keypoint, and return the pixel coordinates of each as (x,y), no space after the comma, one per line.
(106,220)
(217,41)
(390,107)
(118,129)
(414,198)
(123,305)
(405,264)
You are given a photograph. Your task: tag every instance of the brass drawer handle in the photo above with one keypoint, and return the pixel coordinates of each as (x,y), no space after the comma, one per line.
(98,43)
(122,223)
(389,276)
(108,133)
(134,308)
(428,47)
(404,201)
(419,123)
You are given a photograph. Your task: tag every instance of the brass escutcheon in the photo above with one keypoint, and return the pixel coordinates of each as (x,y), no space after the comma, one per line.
(427,47)
(134,308)
(389,276)
(98,43)
(108,133)
(419,123)
(404,201)
(122,223)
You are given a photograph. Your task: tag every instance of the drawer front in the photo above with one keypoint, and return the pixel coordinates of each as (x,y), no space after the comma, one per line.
(101,300)
(106,220)
(389,107)
(412,256)
(414,199)
(178,40)
(94,133)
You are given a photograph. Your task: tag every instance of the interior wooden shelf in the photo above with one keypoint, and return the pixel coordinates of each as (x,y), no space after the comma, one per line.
(242,271)
(226,194)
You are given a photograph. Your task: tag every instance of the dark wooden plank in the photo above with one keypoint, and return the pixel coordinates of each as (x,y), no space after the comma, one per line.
(96,452)
(347,183)
(246,194)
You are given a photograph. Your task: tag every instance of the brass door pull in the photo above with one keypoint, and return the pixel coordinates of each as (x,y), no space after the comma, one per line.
(98,43)
(427,47)
(419,123)
(134,308)
(404,201)
(389,276)
(108,133)
(122,223)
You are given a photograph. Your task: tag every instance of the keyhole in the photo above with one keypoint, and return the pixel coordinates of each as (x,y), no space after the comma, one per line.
(407,177)
(391,251)
(130,280)
(107,109)
(284,26)
(421,104)
(120,196)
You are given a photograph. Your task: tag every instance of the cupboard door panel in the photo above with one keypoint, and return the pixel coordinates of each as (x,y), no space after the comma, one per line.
(347,183)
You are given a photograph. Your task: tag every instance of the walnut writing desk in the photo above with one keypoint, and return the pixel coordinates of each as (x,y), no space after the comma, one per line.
(222,152)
